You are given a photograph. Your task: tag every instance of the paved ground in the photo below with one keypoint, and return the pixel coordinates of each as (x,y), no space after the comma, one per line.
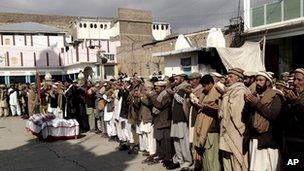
(20,150)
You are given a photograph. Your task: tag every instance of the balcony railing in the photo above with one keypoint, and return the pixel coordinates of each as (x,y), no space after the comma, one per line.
(279,11)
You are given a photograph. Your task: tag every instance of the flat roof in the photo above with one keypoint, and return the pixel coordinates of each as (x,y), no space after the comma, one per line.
(29,27)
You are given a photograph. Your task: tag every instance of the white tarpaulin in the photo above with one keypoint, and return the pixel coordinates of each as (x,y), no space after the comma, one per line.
(248,57)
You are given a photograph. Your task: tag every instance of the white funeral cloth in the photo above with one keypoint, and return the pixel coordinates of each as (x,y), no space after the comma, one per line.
(248,57)
(48,125)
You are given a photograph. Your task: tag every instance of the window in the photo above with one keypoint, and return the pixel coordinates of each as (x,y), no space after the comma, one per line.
(101,26)
(35,62)
(7,59)
(95,25)
(186,64)
(91,25)
(109,70)
(85,25)
(7,41)
(167,26)
(154,27)
(59,60)
(105,26)
(47,59)
(21,58)
(157,27)
(98,70)
(162,27)
(80,25)
(110,57)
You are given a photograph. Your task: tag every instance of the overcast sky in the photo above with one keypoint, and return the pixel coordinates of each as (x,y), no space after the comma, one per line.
(183,15)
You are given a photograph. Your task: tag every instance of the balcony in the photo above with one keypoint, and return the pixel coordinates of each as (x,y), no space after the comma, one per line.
(276,12)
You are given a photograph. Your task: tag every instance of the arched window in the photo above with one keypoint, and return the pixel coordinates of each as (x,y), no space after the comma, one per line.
(154,27)
(105,26)
(157,27)
(80,25)
(162,27)
(95,25)
(101,26)
(167,26)
(91,25)
(85,25)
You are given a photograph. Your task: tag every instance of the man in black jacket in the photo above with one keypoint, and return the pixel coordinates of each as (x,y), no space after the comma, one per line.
(266,106)
(293,122)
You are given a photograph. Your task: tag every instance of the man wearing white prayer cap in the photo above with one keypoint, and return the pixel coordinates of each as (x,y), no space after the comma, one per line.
(216,76)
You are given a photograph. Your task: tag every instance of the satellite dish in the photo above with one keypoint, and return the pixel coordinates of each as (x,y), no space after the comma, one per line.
(101,57)
(104,60)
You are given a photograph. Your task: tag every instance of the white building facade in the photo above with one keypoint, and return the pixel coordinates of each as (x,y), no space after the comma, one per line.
(28,48)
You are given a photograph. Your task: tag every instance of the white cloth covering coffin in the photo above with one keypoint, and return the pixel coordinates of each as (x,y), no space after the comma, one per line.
(47,125)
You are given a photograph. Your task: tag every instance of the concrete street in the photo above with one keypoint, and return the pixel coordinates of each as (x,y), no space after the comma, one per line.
(20,150)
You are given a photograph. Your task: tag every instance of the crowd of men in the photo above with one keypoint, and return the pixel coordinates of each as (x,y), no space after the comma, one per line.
(241,121)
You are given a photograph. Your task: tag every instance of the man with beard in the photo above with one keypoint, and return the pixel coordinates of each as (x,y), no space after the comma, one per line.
(146,141)
(249,81)
(161,101)
(293,120)
(232,127)
(284,76)
(195,93)
(133,117)
(265,109)
(123,116)
(206,137)
(179,127)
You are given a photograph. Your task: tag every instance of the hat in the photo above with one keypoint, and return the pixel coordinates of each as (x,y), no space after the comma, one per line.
(284,74)
(160,83)
(48,77)
(126,79)
(179,73)
(266,75)
(250,73)
(236,71)
(194,75)
(281,83)
(270,73)
(215,74)
(136,79)
(299,70)
(149,84)
(80,76)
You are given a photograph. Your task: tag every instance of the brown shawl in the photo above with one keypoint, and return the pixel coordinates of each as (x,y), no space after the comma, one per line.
(203,122)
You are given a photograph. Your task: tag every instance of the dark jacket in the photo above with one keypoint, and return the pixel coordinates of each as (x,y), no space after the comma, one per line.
(71,102)
(178,114)
(271,112)
(162,119)
(54,100)
(293,123)
(125,105)
(145,110)
(133,116)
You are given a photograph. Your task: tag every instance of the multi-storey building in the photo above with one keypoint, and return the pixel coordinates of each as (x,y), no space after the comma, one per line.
(281,22)
(65,45)
(27,48)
